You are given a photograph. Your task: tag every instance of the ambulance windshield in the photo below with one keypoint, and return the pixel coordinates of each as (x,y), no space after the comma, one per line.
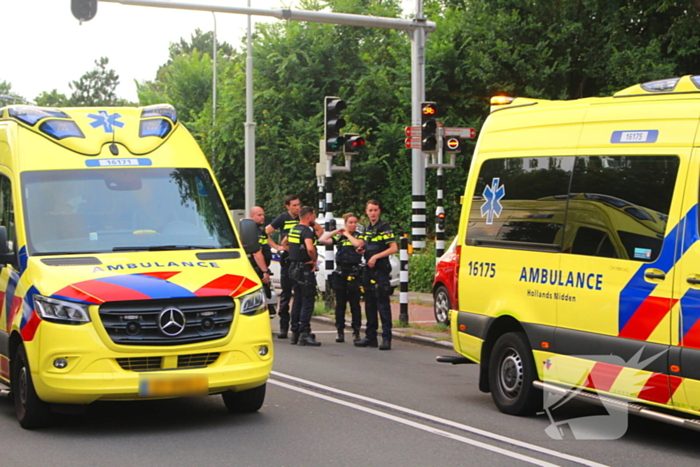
(123,209)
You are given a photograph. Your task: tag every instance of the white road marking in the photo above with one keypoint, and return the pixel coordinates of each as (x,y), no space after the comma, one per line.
(419,426)
(443,421)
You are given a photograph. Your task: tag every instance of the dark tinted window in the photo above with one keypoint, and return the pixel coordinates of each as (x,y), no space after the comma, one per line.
(630,196)
(593,242)
(521,200)
(7,212)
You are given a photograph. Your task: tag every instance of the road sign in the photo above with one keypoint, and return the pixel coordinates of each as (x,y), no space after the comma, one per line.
(460,132)
(411,131)
(413,143)
(452,143)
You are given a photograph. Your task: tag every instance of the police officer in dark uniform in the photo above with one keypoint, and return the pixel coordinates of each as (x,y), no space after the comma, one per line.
(302,271)
(380,243)
(347,277)
(284,223)
(263,257)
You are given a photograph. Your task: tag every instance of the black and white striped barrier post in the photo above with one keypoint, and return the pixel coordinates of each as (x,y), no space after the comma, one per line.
(439,217)
(403,285)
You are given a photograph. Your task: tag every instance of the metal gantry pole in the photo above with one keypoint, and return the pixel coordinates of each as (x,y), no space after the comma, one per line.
(417,160)
(249,124)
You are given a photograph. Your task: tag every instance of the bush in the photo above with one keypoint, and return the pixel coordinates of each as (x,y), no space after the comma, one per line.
(421,269)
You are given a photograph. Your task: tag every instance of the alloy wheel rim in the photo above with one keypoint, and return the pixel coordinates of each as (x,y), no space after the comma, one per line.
(441,306)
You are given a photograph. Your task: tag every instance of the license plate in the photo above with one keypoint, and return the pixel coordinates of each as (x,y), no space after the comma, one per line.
(173,386)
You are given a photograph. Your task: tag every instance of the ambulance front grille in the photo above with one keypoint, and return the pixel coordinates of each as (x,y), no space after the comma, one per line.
(140,363)
(167,322)
(200,360)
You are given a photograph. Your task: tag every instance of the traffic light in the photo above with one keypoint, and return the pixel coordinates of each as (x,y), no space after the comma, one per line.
(451,144)
(334,123)
(429,127)
(441,221)
(83,10)
(353,143)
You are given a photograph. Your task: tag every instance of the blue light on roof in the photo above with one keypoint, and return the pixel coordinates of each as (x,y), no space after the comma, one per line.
(159,127)
(30,115)
(60,129)
(160,110)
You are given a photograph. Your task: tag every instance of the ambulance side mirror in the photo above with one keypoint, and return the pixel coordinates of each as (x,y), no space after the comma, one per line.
(6,257)
(249,235)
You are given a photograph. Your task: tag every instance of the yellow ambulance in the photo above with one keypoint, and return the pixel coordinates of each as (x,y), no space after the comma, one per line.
(579,259)
(122,276)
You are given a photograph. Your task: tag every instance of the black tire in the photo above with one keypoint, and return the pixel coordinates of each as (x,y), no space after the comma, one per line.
(511,373)
(31,411)
(245,401)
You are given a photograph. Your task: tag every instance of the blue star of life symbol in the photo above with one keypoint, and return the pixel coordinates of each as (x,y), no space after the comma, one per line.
(493,195)
(106,120)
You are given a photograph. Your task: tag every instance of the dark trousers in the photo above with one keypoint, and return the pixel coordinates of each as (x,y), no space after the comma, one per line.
(304,301)
(347,290)
(376,284)
(286,295)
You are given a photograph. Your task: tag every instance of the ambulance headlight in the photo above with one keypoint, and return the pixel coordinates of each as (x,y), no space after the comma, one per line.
(253,303)
(61,311)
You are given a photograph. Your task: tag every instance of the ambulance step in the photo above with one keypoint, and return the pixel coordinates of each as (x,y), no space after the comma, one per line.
(634,409)
(4,390)
(453,359)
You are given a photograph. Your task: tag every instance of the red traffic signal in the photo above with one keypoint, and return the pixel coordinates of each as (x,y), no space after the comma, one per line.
(429,109)
(353,143)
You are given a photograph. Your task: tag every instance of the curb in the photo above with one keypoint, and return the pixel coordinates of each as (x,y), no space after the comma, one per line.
(403,334)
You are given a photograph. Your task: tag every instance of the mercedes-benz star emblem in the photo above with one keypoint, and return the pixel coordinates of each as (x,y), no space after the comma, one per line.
(171,322)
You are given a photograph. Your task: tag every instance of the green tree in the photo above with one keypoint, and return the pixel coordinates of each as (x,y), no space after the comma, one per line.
(51,99)
(7,96)
(96,87)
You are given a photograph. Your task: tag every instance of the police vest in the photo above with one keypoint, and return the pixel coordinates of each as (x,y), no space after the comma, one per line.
(345,251)
(297,245)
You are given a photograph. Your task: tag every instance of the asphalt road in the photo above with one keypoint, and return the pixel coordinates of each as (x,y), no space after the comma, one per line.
(337,405)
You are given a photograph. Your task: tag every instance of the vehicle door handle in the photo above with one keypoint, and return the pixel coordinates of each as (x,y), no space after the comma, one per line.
(693,280)
(654,275)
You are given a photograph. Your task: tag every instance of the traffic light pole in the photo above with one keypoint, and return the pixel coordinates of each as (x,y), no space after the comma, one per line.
(417,161)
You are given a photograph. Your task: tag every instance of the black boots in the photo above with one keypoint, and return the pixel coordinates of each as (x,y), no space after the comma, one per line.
(295,338)
(366,343)
(341,337)
(386,345)
(356,335)
(307,338)
(282,334)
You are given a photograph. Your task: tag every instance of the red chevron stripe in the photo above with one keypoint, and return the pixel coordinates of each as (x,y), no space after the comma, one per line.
(692,338)
(660,388)
(602,376)
(647,318)
(228,284)
(4,367)
(30,327)
(107,292)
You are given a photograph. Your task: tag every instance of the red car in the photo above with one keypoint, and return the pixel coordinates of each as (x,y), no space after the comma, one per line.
(445,284)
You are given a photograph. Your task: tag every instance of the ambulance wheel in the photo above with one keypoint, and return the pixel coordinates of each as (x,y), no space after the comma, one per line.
(245,401)
(511,373)
(31,411)
(442,305)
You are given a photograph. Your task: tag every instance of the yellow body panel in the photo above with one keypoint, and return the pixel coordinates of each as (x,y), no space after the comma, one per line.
(80,362)
(612,277)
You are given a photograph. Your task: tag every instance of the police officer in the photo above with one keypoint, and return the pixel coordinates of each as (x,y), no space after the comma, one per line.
(379,245)
(302,271)
(347,277)
(284,223)
(262,258)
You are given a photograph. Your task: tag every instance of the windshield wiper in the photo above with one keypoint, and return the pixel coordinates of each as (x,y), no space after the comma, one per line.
(163,247)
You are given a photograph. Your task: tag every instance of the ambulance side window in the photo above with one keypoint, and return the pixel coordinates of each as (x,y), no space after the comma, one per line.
(519,201)
(629,196)
(7,212)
